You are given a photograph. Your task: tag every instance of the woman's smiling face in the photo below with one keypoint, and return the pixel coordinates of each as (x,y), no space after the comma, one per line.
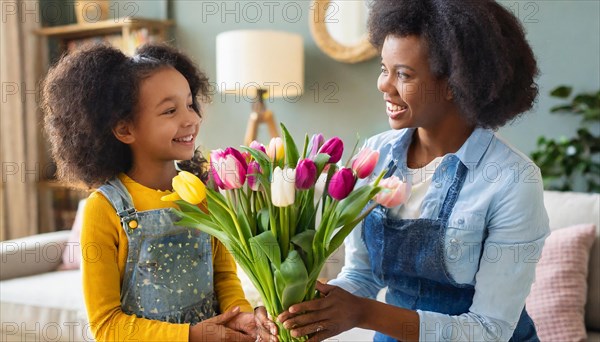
(414,96)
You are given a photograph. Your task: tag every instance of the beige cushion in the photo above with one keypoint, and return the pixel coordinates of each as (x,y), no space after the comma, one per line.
(49,306)
(570,208)
(32,255)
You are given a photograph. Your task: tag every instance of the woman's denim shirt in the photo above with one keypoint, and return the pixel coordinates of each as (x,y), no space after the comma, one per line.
(494,238)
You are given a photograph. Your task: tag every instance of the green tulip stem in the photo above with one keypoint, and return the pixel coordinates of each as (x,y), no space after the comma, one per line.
(241,237)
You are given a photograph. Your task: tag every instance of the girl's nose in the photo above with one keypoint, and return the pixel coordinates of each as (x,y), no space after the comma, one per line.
(191,118)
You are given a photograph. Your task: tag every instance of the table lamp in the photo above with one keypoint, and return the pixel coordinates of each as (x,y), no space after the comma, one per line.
(260,64)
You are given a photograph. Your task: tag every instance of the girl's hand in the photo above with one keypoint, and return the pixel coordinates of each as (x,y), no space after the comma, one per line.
(266,328)
(336,312)
(215,329)
(244,323)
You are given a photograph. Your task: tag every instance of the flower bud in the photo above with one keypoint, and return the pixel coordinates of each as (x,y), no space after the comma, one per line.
(334,147)
(306,174)
(341,184)
(365,162)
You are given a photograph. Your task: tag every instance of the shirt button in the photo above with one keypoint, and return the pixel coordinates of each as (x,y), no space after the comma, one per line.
(461,221)
(438,185)
(453,241)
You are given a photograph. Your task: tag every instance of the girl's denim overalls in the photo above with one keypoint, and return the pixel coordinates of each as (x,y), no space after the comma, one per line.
(407,255)
(169,270)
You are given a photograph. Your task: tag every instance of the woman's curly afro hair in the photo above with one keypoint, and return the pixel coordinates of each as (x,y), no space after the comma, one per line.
(477,45)
(91,90)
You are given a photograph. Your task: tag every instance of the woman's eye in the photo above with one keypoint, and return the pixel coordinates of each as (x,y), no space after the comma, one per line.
(170,111)
(402,75)
(191,106)
(383,71)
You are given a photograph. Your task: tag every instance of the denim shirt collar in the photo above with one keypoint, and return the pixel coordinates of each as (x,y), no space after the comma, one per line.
(470,153)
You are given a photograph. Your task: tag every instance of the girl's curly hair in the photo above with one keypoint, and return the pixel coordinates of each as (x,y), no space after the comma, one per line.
(477,45)
(89,91)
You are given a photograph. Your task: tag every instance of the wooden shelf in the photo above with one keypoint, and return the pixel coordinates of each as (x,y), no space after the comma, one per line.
(105,27)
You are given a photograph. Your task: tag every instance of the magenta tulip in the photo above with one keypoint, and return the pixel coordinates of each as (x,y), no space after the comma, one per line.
(228,168)
(341,184)
(334,147)
(252,175)
(394,193)
(306,174)
(365,162)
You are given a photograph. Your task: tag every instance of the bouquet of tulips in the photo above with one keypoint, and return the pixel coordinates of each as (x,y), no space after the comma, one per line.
(265,213)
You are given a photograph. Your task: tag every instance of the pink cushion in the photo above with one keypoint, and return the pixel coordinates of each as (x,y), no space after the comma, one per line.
(557,299)
(71,257)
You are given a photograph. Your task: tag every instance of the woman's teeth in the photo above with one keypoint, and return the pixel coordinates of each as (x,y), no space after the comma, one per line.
(394,107)
(185,139)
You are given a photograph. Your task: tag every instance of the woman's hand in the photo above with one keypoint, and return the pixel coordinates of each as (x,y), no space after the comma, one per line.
(215,329)
(266,328)
(336,312)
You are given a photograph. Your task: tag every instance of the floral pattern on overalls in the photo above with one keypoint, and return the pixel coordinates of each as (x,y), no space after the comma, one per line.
(408,256)
(169,271)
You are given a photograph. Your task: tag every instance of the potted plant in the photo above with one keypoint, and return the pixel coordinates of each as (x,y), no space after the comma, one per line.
(572,164)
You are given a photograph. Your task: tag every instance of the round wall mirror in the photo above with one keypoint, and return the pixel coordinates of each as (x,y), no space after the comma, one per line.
(339,27)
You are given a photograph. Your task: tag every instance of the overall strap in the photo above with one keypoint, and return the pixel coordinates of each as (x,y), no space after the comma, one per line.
(453,191)
(119,198)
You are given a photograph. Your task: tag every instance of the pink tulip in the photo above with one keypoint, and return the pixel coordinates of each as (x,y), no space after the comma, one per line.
(334,147)
(228,168)
(258,146)
(365,162)
(341,184)
(316,142)
(252,175)
(306,174)
(394,193)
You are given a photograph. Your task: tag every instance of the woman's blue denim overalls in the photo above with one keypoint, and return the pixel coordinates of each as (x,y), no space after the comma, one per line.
(169,272)
(407,255)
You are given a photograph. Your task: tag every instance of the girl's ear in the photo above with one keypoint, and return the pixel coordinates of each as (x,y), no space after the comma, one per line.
(122,132)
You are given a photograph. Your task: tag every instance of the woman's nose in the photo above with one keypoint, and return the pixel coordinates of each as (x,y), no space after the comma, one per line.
(385,84)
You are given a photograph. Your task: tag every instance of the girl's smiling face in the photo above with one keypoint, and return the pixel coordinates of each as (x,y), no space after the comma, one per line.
(165,124)
(414,96)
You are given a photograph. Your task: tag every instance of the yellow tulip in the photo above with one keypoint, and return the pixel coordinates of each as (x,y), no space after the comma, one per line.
(187,187)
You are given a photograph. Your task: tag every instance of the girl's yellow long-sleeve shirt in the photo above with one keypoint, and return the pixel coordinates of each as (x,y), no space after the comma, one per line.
(104,255)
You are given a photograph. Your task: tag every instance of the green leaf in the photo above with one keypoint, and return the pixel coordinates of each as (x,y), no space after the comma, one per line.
(291,151)
(263,220)
(294,274)
(321,160)
(267,243)
(207,227)
(305,148)
(262,159)
(561,109)
(561,92)
(351,206)
(339,237)
(304,240)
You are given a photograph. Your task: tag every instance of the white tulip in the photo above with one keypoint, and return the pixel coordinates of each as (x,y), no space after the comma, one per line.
(283,187)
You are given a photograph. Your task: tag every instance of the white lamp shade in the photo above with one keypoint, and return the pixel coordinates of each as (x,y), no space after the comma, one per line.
(251,59)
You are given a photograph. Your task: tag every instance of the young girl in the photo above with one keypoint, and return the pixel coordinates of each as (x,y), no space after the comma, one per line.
(458,259)
(119,123)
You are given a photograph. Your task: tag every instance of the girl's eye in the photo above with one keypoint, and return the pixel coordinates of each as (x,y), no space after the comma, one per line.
(191,106)
(170,111)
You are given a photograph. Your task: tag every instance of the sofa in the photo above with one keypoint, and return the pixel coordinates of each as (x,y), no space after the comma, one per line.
(41,303)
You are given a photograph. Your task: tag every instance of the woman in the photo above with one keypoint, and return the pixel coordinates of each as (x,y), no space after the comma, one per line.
(458,259)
